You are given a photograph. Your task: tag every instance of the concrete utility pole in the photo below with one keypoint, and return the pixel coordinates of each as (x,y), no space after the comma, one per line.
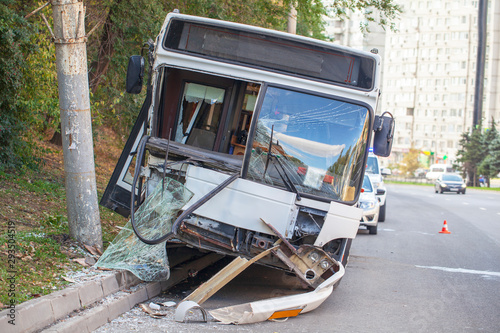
(480,64)
(292,20)
(76,125)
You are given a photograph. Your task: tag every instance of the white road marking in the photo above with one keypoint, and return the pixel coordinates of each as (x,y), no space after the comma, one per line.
(460,270)
(482,208)
(465,203)
(424,233)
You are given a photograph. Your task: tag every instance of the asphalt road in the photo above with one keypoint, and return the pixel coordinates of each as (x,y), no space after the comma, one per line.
(408,278)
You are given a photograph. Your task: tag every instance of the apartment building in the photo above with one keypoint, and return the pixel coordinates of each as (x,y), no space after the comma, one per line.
(429,69)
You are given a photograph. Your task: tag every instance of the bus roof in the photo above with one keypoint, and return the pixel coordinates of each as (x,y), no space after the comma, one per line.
(220,46)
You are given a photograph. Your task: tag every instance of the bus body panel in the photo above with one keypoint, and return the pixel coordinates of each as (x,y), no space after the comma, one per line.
(299,145)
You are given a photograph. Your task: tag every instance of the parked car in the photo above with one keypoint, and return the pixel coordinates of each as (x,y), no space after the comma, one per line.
(370,204)
(450,182)
(376,173)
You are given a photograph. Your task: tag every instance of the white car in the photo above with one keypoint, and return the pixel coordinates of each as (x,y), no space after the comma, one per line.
(369,202)
(376,174)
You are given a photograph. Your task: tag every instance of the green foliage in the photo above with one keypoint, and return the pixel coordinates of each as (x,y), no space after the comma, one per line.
(127,26)
(410,162)
(490,166)
(310,21)
(381,12)
(40,96)
(479,153)
(15,147)
(28,79)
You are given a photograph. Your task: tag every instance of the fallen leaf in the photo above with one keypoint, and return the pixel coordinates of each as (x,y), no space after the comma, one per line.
(67,279)
(81,261)
(91,249)
(104,269)
(151,313)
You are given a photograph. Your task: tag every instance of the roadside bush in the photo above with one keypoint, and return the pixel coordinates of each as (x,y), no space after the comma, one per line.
(15,32)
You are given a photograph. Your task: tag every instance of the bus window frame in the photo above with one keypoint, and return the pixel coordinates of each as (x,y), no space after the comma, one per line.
(256,116)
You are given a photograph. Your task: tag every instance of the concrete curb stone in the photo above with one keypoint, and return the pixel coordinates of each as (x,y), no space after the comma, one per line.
(90,293)
(37,314)
(64,301)
(107,311)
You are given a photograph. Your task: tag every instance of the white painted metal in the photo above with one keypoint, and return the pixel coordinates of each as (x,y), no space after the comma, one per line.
(259,311)
(244,202)
(342,221)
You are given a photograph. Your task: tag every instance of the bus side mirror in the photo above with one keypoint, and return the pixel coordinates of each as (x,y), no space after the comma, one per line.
(135,74)
(384,133)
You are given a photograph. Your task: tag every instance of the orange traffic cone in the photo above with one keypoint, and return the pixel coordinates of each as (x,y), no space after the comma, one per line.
(445,229)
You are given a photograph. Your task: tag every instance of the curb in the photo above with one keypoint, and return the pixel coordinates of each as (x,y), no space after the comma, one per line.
(38,313)
(86,306)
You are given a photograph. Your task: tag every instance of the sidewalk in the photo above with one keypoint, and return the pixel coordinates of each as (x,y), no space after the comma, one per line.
(36,314)
(83,307)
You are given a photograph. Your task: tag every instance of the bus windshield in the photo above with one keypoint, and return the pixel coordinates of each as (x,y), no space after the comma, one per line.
(318,144)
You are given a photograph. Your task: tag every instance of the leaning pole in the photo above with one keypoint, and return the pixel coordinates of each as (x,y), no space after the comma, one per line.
(76,127)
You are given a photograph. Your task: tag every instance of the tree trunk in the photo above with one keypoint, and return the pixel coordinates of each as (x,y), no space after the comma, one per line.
(57,137)
(106,50)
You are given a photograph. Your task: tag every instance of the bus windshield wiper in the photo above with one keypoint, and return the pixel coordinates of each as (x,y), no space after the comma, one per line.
(283,173)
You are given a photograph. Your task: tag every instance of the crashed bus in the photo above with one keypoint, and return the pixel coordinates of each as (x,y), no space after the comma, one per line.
(251,143)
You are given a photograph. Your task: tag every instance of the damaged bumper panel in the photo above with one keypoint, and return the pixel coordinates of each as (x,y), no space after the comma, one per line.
(273,308)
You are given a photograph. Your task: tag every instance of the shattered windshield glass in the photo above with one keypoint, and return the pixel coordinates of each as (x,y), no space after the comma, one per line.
(318,144)
(153,219)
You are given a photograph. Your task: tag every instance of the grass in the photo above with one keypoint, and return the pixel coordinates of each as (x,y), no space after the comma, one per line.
(36,251)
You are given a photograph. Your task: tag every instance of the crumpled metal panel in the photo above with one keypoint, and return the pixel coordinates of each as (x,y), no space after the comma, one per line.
(259,311)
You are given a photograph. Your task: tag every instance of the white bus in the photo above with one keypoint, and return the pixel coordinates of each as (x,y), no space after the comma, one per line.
(438,169)
(268,131)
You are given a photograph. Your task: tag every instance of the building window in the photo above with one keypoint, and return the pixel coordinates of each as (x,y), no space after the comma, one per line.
(409,111)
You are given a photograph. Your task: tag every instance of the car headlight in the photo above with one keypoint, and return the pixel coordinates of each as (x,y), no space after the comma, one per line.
(464,186)
(376,184)
(367,204)
(444,185)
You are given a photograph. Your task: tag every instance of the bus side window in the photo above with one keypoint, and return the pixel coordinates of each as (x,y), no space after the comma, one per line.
(239,138)
(199,116)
